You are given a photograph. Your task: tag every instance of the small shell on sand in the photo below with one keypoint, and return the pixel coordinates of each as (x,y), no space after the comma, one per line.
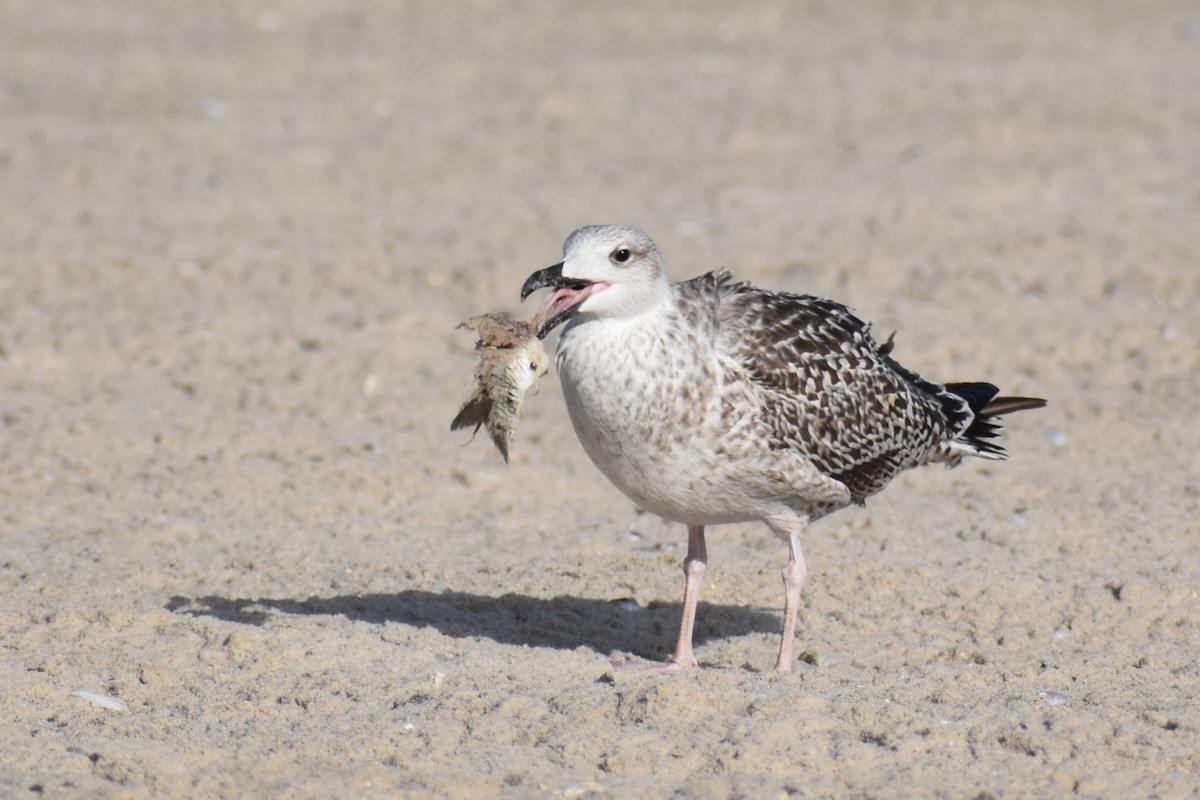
(103,700)
(511,359)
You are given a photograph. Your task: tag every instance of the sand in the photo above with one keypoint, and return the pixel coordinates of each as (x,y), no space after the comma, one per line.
(235,239)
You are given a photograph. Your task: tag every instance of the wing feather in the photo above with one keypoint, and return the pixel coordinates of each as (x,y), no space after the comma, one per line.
(829,390)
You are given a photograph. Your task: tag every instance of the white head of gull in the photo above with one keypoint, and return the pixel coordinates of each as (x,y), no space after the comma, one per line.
(711,401)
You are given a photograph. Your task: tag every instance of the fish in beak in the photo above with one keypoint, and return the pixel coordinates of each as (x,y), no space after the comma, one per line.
(566,295)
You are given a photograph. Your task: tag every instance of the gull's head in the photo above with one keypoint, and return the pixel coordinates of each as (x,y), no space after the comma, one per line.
(607,271)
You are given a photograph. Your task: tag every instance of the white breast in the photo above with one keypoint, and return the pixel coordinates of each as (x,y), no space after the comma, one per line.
(650,419)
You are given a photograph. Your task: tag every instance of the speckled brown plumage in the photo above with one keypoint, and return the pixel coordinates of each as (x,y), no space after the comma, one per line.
(831,391)
(712,401)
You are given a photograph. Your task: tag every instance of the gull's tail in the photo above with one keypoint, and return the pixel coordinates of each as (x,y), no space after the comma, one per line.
(978,437)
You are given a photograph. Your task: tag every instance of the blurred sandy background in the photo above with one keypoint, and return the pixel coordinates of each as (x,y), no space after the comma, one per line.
(235,239)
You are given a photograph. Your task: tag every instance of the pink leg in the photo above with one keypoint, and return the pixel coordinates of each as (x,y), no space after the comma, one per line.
(693,570)
(793,580)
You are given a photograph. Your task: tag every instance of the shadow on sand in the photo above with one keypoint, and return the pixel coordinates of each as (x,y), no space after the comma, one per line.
(559,622)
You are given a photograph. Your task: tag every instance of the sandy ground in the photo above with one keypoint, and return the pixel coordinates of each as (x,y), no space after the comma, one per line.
(235,239)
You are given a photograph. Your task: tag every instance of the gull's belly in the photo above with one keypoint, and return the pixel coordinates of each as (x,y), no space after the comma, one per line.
(659,443)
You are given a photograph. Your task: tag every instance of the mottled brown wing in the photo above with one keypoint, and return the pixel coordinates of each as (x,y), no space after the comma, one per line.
(830,391)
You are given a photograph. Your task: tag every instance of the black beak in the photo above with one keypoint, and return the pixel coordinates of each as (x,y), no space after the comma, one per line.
(563,307)
(550,276)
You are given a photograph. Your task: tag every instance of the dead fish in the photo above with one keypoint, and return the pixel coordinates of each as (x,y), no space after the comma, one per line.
(511,360)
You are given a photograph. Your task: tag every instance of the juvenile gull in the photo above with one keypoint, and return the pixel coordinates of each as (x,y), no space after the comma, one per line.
(711,401)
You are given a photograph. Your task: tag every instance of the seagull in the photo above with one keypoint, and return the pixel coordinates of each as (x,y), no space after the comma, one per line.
(711,401)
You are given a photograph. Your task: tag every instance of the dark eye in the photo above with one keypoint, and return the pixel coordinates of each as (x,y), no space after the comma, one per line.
(621,255)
